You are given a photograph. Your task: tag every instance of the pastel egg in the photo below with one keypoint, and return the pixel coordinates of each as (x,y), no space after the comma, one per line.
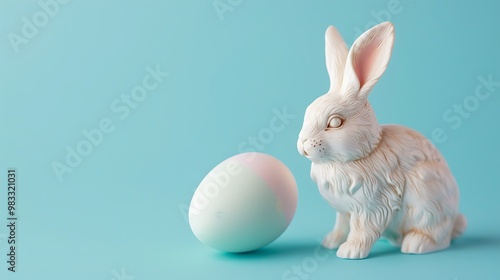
(244,203)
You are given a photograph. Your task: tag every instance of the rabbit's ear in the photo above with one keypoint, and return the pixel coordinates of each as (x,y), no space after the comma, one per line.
(336,55)
(367,60)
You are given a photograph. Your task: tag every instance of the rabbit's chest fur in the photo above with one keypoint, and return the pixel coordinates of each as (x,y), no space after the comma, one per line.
(349,188)
(380,179)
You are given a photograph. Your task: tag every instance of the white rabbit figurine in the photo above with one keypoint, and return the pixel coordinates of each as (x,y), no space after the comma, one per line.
(384,181)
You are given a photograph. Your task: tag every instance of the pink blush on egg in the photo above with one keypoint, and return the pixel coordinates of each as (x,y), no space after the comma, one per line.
(277,176)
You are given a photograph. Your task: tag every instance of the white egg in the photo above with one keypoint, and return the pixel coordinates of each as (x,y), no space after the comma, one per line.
(244,203)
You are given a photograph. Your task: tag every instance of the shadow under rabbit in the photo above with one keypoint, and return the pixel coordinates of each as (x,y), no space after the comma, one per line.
(382,248)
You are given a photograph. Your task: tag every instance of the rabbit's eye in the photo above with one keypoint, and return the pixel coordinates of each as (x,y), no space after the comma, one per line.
(335,122)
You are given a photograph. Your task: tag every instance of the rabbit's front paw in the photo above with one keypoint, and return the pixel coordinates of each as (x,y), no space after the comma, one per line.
(334,239)
(353,250)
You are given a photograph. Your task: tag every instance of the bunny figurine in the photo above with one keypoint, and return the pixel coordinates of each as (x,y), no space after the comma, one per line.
(384,180)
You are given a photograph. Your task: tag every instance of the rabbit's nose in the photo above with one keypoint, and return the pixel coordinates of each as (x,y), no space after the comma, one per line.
(300,147)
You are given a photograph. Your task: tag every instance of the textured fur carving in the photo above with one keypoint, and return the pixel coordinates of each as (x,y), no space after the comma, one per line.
(384,181)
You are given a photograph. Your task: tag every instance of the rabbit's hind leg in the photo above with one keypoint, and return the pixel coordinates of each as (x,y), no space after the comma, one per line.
(429,238)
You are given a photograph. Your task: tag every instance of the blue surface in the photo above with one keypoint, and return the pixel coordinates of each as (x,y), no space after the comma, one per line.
(120,212)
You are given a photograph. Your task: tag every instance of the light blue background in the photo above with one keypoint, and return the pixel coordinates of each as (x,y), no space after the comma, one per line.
(121,208)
